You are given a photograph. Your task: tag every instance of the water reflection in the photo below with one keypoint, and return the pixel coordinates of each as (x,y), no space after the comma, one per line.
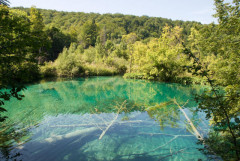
(12,136)
(165,113)
(103,118)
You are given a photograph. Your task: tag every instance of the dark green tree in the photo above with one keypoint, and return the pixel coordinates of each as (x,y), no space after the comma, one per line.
(58,41)
(17,57)
(38,34)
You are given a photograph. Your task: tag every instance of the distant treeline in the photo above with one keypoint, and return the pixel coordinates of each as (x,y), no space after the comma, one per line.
(82,44)
(67,27)
(115,25)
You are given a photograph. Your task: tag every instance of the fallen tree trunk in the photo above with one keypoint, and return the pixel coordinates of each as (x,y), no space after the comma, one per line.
(196,133)
(71,134)
(99,124)
(103,133)
(151,134)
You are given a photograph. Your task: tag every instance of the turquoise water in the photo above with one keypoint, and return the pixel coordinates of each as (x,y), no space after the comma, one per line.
(103,119)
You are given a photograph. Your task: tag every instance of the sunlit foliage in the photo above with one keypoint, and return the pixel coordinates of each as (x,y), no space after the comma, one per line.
(220,44)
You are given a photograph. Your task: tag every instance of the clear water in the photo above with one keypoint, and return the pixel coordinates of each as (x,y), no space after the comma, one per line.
(102,119)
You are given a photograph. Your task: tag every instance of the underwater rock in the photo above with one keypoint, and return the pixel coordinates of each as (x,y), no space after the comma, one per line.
(51,92)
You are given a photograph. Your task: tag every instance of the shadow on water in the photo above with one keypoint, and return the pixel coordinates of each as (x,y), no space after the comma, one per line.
(65,149)
(71,152)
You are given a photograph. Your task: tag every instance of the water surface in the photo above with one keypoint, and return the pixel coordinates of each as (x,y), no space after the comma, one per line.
(102,119)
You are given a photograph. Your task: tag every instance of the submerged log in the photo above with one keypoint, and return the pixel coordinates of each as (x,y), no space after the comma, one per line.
(103,133)
(114,120)
(173,153)
(152,134)
(196,133)
(71,134)
(99,124)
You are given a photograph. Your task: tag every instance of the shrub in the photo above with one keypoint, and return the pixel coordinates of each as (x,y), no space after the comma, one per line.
(48,70)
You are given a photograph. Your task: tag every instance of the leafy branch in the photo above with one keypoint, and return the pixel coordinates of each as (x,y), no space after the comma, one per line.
(214,103)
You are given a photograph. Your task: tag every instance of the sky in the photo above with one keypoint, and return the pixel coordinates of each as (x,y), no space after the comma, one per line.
(187,10)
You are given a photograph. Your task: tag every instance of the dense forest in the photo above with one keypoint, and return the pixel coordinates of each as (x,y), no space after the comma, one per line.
(82,44)
(112,26)
(37,43)
(103,44)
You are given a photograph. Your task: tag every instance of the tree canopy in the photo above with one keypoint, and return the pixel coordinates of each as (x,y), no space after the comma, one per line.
(18,44)
(4,2)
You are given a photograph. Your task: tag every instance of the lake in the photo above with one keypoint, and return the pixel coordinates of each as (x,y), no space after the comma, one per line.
(103,119)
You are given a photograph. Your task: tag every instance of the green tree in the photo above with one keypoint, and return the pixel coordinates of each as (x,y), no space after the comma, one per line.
(17,59)
(38,34)
(58,40)
(221,104)
(161,58)
(130,39)
(89,33)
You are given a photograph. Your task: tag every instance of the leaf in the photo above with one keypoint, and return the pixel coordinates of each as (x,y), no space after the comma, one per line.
(3,118)
(3,109)
(158,106)
(237,120)
(1,103)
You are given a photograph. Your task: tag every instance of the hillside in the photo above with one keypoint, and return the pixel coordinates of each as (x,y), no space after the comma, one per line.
(115,25)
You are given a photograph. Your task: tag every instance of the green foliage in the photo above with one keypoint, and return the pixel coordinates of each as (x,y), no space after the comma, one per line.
(37,32)
(48,70)
(99,69)
(90,55)
(107,33)
(19,40)
(134,76)
(67,64)
(218,45)
(160,59)
(221,105)
(76,61)
(111,26)
(58,41)
(129,40)
(222,108)
(89,33)
(164,113)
